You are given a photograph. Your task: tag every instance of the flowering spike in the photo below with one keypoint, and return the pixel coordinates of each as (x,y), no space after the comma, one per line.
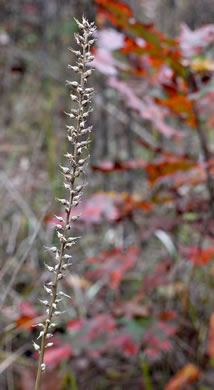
(76,133)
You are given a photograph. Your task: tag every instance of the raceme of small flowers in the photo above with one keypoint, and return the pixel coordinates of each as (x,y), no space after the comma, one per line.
(78,136)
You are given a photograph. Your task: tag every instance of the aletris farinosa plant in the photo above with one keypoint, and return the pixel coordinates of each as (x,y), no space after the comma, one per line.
(78,136)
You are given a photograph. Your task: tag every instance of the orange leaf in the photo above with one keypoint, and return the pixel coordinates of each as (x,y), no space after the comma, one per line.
(168,166)
(25,322)
(27,316)
(115,6)
(188,374)
(210,345)
(201,256)
(182,106)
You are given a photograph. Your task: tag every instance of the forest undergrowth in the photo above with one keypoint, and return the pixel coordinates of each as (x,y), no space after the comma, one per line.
(141,312)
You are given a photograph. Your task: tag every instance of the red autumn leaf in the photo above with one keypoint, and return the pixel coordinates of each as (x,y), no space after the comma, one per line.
(25,322)
(210,344)
(188,374)
(155,345)
(160,48)
(165,345)
(93,334)
(98,207)
(126,344)
(157,56)
(129,203)
(109,166)
(101,334)
(114,11)
(148,32)
(117,7)
(130,45)
(105,206)
(168,166)
(139,47)
(27,316)
(94,327)
(112,265)
(76,325)
(121,16)
(199,256)
(167,315)
(56,354)
(103,15)
(158,338)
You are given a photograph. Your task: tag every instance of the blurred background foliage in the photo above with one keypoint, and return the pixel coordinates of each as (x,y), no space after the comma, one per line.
(141,314)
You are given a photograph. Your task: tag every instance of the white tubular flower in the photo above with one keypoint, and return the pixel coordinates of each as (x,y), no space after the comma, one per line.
(40,334)
(36,346)
(48,345)
(43,367)
(63,294)
(46,303)
(48,290)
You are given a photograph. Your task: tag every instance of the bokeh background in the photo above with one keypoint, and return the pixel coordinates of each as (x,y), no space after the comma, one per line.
(141,313)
